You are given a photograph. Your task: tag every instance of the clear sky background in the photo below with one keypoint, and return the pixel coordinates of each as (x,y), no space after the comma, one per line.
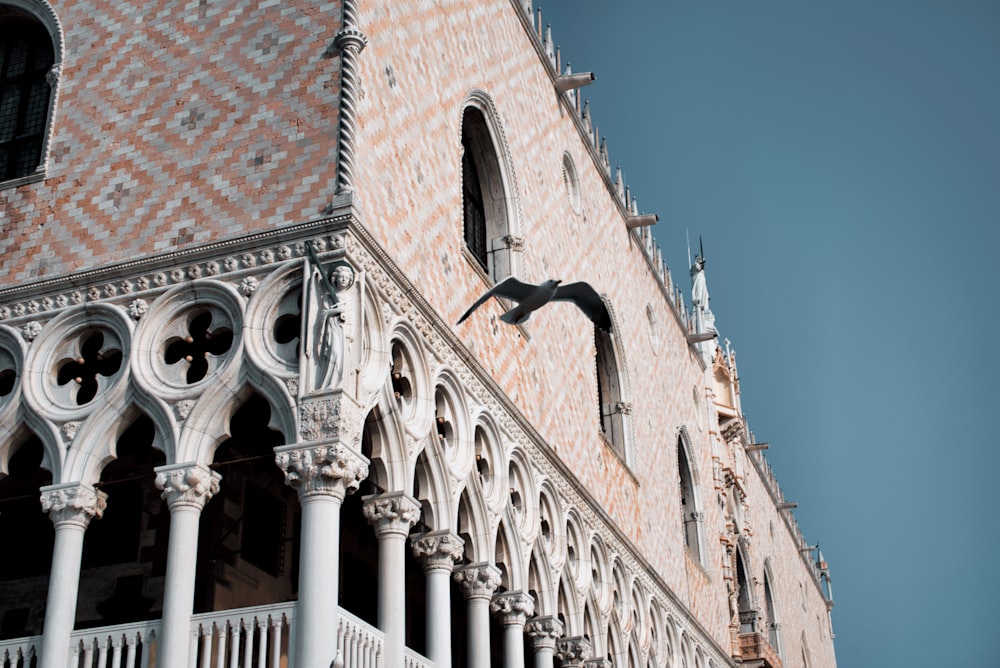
(841,160)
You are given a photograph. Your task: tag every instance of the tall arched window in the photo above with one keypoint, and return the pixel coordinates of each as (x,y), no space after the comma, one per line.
(26,58)
(609,395)
(485,211)
(771,614)
(690,513)
(748,614)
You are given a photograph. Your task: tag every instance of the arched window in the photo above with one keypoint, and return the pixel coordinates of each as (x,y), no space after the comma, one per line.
(485,211)
(771,614)
(608,390)
(26,58)
(690,513)
(748,614)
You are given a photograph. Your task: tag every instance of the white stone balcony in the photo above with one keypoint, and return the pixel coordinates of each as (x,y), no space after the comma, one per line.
(258,637)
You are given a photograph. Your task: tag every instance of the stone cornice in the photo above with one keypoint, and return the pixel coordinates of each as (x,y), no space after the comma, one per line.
(146,277)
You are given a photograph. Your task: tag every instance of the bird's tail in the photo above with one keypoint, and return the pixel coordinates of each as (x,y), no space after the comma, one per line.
(515,316)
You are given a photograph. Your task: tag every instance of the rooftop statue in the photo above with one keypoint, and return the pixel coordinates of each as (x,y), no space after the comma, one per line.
(704,318)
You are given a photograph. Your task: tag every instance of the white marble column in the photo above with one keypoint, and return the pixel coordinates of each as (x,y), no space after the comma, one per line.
(438,550)
(574,652)
(514,608)
(70,506)
(544,632)
(322,475)
(186,489)
(392,514)
(478,581)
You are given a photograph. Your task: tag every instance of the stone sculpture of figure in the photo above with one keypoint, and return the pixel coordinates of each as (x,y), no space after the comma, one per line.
(704,318)
(332,315)
(699,289)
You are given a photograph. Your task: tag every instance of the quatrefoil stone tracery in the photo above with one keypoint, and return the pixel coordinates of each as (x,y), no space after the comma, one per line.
(195,347)
(97,358)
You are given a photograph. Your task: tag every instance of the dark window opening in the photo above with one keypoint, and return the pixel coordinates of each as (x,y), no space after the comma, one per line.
(26,57)
(475,211)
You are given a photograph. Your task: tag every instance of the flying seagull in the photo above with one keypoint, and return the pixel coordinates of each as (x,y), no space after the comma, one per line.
(532,297)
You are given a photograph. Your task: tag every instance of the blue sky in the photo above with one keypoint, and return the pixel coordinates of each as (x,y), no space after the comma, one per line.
(841,161)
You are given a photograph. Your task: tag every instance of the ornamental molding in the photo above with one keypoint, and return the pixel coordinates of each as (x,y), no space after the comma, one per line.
(135,284)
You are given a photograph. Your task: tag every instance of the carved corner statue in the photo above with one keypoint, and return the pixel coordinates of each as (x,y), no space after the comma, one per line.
(327,299)
(530,298)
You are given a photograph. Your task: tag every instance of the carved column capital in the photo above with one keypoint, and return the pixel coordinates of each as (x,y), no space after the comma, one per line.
(574,651)
(514,607)
(187,484)
(544,632)
(73,503)
(321,470)
(391,513)
(478,580)
(438,550)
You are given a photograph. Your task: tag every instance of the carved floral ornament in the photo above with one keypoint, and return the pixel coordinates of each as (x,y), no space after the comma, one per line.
(322,469)
(187,484)
(478,580)
(574,651)
(515,607)
(391,513)
(438,550)
(74,503)
(544,631)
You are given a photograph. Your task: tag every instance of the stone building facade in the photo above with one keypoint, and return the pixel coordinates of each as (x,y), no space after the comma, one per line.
(236,237)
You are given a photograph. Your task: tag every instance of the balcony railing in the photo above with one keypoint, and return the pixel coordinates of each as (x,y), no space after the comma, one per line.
(258,637)
(754,647)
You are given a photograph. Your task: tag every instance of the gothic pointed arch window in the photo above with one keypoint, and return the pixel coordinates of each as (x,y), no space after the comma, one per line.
(27,57)
(745,599)
(771,613)
(612,406)
(486,211)
(690,512)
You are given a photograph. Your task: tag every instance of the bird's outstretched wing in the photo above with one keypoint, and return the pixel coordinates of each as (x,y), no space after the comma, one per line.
(588,300)
(510,287)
